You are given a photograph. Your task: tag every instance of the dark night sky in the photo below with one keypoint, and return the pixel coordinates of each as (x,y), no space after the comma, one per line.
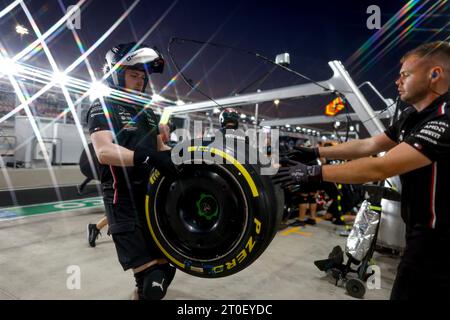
(313,33)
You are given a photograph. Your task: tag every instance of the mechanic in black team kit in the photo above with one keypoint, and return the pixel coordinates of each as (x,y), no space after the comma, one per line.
(418,146)
(127,144)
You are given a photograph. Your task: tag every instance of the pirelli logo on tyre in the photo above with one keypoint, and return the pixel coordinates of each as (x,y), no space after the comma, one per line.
(243,254)
(240,258)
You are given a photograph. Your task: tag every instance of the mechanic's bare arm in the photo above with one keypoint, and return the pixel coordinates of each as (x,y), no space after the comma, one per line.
(358,148)
(110,153)
(400,159)
(161,145)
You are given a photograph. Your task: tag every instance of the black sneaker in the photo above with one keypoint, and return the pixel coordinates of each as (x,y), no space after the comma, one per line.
(297,223)
(311,221)
(92,234)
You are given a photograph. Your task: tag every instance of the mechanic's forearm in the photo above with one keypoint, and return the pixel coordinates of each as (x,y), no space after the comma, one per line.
(161,145)
(357,171)
(115,155)
(353,149)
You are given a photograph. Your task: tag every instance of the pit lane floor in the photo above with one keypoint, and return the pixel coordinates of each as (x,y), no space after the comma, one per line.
(41,249)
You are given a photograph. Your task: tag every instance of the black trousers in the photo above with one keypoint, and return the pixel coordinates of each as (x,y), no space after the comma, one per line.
(424,271)
(129,230)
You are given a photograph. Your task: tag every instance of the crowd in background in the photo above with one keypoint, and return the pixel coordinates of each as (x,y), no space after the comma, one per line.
(39,107)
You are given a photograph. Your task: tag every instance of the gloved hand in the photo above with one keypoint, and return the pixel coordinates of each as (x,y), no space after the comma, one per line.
(304,155)
(297,173)
(159,159)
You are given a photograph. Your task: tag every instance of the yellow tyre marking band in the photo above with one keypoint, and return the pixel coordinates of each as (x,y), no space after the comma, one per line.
(147,213)
(233,161)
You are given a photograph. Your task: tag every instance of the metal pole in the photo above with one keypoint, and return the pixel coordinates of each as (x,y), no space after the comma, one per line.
(256,113)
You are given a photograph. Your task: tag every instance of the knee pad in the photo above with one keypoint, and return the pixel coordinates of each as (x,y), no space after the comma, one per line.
(170,272)
(152,283)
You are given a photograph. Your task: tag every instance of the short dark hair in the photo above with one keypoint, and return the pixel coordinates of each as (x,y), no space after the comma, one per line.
(437,50)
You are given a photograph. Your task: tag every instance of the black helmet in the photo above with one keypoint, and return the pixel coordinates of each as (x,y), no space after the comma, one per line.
(229,118)
(133,56)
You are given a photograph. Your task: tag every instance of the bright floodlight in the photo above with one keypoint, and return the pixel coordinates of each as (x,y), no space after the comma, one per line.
(337,124)
(98,90)
(7,66)
(180,102)
(21,30)
(216,110)
(277,102)
(283,59)
(156,97)
(59,77)
(243,116)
